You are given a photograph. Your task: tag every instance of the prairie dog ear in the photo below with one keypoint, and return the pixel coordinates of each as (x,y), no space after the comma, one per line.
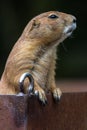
(30,26)
(35,24)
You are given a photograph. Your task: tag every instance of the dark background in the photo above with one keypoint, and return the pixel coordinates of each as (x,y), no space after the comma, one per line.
(72,53)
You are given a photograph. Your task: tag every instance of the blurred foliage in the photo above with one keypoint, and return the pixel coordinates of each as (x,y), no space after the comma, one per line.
(72,53)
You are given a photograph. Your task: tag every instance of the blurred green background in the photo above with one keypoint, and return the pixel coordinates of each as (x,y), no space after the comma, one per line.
(72,53)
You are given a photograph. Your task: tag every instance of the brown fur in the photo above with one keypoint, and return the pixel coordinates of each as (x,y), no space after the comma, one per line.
(35,52)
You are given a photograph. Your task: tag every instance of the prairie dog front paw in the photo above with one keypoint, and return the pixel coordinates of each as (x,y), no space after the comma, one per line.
(57,94)
(41,95)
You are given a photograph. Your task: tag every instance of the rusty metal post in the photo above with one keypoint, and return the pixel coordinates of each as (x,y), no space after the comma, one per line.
(26,113)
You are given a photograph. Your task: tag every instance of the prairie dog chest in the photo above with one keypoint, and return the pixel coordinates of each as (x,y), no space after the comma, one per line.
(43,66)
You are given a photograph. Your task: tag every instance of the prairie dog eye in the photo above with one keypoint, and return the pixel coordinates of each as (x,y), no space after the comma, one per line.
(53,16)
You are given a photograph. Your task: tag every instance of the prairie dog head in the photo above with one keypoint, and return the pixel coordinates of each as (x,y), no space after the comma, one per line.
(51,27)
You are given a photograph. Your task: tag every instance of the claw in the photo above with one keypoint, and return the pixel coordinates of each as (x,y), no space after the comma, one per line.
(57,94)
(41,96)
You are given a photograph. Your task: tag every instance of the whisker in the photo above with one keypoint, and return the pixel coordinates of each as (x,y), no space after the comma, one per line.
(64,47)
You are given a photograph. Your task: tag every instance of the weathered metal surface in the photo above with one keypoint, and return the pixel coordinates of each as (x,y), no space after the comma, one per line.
(26,113)
(13,110)
(69,114)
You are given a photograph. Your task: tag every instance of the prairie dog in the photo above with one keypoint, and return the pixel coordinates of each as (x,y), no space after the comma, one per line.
(35,52)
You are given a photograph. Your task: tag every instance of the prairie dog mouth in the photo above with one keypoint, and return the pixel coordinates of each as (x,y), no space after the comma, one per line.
(69,29)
